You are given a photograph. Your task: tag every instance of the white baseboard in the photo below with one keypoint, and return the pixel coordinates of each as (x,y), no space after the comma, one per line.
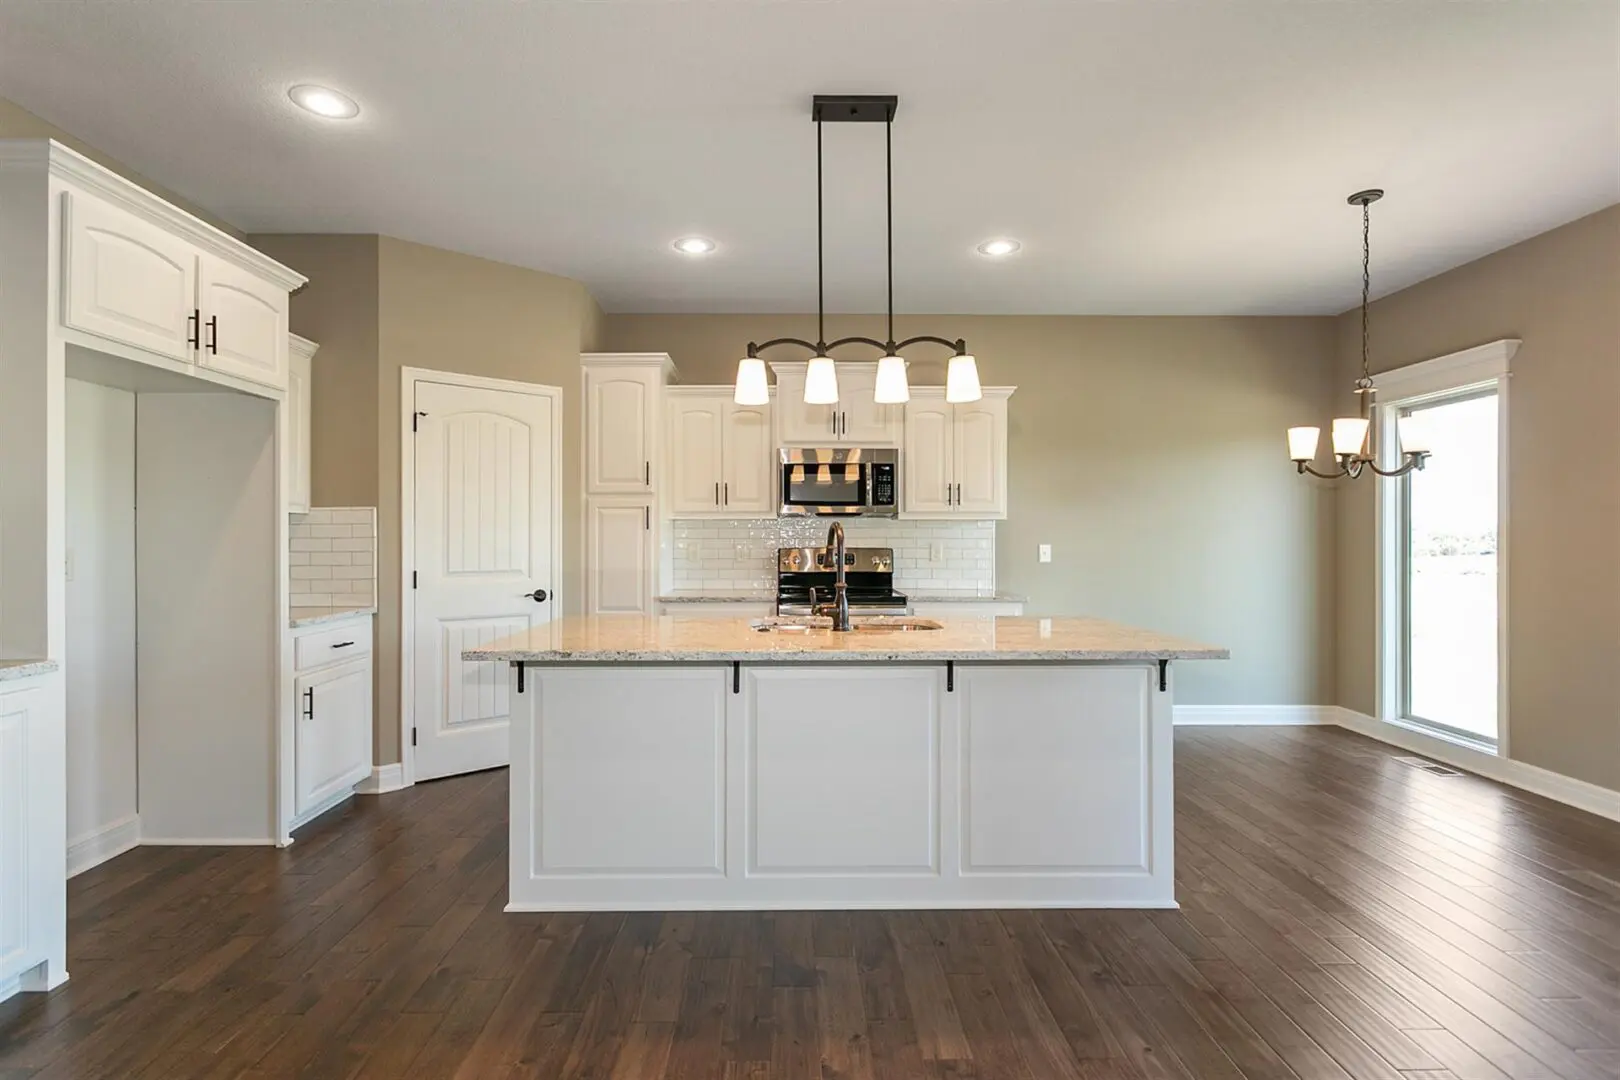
(1526,777)
(1253,715)
(383,779)
(207,841)
(95,848)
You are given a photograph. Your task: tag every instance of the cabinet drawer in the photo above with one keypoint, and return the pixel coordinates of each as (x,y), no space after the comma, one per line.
(332,644)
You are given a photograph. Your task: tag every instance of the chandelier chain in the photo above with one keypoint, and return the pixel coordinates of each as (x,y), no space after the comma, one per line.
(1366,289)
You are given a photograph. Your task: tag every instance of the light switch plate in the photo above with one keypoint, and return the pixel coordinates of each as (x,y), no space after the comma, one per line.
(936,552)
(1046,553)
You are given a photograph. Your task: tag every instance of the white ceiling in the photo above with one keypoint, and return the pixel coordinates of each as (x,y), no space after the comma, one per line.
(1152,157)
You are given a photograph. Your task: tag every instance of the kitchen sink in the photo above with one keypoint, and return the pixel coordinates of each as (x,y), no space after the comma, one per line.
(874,625)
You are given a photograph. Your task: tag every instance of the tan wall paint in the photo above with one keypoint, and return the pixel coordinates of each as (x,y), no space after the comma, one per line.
(17,122)
(338,311)
(1149,453)
(451,312)
(1560,293)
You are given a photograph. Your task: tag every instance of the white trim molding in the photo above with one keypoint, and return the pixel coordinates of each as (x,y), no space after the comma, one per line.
(383,779)
(1254,715)
(1448,373)
(1581,795)
(108,842)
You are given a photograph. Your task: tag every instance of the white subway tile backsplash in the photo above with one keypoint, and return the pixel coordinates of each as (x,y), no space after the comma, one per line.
(740,556)
(333,557)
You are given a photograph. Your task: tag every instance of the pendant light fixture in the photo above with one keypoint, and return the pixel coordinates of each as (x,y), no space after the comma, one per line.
(821,374)
(1355,438)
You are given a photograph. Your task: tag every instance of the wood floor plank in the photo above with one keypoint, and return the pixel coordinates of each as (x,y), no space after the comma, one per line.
(1343,916)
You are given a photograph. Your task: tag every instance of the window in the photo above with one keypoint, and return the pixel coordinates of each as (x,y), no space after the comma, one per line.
(1441,551)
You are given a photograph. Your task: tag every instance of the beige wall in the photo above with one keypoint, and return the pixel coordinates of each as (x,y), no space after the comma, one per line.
(1560,293)
(338,311)
(1149,453)
(17,122)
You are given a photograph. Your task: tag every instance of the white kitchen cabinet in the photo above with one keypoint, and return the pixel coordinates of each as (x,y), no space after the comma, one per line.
(244,323)
(856,420)
(955,459)
(130,280)
(127,279)
(300,359)
(620,546)
(623,406)
(32,843)
(934,609)
(721,456)
(333,726)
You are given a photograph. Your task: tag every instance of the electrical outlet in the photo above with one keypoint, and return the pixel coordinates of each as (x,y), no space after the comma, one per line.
(1045,553)
(936,552)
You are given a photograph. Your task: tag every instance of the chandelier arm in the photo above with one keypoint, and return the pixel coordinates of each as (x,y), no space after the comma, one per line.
(959,345)
(1413,462)
(1304,468)
(771,344)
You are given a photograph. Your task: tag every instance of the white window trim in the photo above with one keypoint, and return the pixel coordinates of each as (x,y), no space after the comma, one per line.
(1481,366)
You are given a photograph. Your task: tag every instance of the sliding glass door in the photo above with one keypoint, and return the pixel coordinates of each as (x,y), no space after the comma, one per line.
(1447,532)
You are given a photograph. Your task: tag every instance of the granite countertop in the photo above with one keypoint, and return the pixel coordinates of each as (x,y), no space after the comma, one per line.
(645,639)
(718,598)
(25,669)
(314,616)
(965,598)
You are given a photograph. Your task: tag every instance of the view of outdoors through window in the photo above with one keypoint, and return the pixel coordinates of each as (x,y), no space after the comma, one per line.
(1451,588)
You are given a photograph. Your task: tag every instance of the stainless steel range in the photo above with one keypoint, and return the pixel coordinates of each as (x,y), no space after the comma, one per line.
(804,578)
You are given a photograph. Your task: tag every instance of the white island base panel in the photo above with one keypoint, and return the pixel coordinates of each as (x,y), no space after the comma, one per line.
(791,786)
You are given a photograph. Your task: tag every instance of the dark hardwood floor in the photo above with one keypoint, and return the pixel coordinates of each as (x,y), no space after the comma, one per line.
(1342,916)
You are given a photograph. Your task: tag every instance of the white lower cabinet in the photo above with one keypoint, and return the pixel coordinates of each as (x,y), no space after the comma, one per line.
(332,699)
(32,839)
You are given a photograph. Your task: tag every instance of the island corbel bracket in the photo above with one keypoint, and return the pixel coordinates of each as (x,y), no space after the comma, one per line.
(950,676)
(736,676)
(1164,668)
(518,666)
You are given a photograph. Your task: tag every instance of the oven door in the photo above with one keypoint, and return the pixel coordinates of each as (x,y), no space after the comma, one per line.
(824,482)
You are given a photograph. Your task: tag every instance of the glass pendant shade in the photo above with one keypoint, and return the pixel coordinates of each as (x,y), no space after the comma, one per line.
(1302,442)
(1349,435)
(821,381)
(752,387)
(1414,436)
(892,386)
(962,380)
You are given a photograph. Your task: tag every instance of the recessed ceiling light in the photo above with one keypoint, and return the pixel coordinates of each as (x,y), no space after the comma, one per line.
(997,249)
(696,245)
(323,102)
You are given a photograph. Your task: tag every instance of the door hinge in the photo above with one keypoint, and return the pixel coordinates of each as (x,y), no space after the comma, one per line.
(413,736)
(413,579)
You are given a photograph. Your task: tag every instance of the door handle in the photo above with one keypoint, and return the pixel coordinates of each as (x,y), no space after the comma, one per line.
(213,334)
(309,703)
(539,596)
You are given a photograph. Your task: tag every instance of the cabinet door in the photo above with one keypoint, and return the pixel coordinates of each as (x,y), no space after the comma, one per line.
(749,485)
(621,426)
(618,557)
(297,456)
(799,424)
(24,790)
(980,459)
(244,318)
(333,742)
(696,451)
(126,279)
(926,469)
(862,421)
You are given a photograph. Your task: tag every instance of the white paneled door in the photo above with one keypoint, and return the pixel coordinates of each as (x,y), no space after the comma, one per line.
(482,535)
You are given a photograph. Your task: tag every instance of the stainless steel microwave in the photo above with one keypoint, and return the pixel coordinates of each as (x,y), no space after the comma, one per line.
(839,482)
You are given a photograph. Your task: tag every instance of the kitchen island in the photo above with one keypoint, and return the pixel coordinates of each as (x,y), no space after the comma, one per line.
(675,764)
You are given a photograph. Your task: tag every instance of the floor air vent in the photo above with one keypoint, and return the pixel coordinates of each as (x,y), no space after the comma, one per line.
(1428,766)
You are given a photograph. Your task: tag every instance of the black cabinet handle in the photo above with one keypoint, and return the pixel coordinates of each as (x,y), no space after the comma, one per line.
(646,518)
(194,328)
(213,334)
(343,645)
(646,473)
(725,494)
(539,596)
(717,493)
(309,703)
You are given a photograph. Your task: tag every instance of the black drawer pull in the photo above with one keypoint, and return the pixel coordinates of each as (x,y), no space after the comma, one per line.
(343,645)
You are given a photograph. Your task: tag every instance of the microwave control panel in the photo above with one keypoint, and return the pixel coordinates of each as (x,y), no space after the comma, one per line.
(882,484)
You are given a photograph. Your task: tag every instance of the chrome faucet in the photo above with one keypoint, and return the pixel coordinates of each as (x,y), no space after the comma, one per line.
(840,604)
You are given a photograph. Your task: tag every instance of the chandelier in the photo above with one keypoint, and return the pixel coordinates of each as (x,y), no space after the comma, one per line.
(821,374)
(1355,438)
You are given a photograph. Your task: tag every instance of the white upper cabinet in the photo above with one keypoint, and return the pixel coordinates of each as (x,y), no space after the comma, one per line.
(856,420)
(721,456)
(127,279)
(623,399)
(619,549)
(955,459)
(301,355)
(244,323)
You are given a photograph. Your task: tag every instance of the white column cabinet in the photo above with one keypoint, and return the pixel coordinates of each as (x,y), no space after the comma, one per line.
(620,547)
(955,458)
(623,400)
(856,420)
(133,281)
(301,355)
(720,456)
